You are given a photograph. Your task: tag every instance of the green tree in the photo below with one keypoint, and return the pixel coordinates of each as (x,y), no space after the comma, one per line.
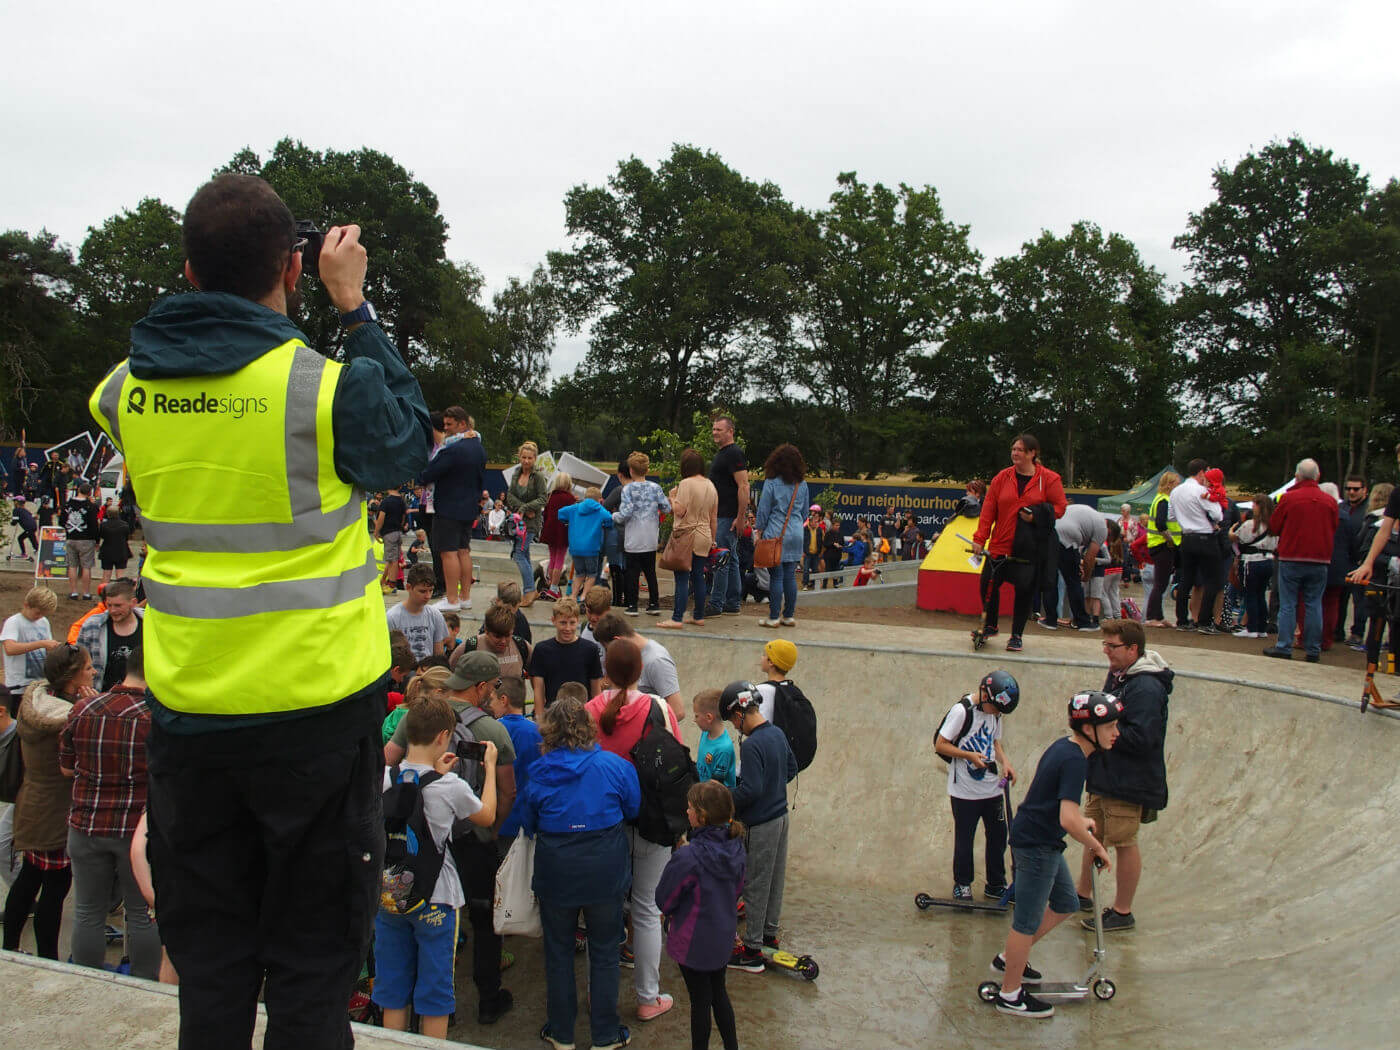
(1264,313)
(400,225)
(39,336)
(892,275)
(524,316)
(1077,323)
(679,270)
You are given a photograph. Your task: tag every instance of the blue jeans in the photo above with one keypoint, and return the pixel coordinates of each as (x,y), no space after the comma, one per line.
(692,581)
(604,941)
(1301,581)
(520,554)
(727,593)
(810,563)
(782,590)
(1042,880)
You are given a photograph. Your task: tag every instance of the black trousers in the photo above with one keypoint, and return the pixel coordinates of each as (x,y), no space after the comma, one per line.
(267,877)
(1163,562)
(1197,566)
(708,994)
(638,564)
(439,580)
(477,864)
(1021,576)
(51,888)
(967,812)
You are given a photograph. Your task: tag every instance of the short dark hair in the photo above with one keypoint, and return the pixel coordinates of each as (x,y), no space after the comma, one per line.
(1196,466)
(456,412)
(1030,443)
(1130,631)
(436,418)
(136,662)
(786,462)
(610,627)
(499,620)
(121,587)
(418,574)
(238,236)
(428,716)
(401,656)
(513,689)
(692,463)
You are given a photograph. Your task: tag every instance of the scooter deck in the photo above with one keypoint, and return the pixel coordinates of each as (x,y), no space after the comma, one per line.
(1059,990)
(803,966)
(924,901)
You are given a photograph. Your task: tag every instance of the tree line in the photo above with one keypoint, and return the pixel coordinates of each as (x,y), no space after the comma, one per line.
(869,332)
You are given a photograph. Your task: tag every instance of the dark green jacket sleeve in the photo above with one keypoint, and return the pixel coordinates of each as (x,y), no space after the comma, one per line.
(382,432)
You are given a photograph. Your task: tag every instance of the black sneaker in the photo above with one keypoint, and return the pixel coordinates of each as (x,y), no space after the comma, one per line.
(750,960)
(1025,1005)
(631,610)
(1313,658)
(491,1012)
(770,940)
(1047,623)
(1030,975)
(1186,626)
(1279,654)
(1112,921)
(1086,904)
(990,632)
(993,893)
(1209,628)
(710,610)
(1013,644)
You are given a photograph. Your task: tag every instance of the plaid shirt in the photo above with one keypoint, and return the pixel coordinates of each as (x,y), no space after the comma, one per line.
(104,743)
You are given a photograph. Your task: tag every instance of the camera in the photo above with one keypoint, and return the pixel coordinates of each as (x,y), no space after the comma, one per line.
(471,751)
(311,253)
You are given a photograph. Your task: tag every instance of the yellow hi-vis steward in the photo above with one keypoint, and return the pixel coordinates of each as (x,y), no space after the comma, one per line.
(1155,536)
(261,588)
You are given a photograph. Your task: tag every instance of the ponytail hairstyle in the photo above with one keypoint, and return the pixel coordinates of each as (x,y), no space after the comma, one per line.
(62,664)
(623,666)
(1031,445)
(1115,542)
(714,805)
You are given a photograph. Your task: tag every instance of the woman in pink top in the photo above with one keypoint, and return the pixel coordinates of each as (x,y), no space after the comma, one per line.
(621,714)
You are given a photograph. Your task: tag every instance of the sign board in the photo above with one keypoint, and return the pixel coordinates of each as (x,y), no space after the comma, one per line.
(102,454)
(52,563)
(75,450)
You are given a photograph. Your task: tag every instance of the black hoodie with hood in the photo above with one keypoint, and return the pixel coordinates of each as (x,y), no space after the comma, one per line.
(382,437)
(1135,768)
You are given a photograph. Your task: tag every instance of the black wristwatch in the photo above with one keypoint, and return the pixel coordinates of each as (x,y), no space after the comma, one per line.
(363,312)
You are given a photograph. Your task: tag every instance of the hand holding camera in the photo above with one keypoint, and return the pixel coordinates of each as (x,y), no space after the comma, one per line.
(341,265)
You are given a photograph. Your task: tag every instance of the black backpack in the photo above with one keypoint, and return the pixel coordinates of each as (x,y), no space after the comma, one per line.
(412,859)
(794,714)
(469,769)
(666,773)
(963,712)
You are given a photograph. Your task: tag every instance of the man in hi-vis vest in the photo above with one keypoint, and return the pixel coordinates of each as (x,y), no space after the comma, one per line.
(265,647)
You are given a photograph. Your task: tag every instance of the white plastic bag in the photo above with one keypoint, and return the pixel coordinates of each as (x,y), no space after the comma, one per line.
(516,911)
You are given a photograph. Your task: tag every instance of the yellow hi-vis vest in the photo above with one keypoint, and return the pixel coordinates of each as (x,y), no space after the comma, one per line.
(1155,537)
(261,586)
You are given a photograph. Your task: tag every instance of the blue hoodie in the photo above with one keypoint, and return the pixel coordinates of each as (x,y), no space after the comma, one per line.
(575,805)
(586,521)
(699,890)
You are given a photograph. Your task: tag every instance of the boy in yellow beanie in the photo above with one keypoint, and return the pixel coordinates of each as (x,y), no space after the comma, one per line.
(779,657)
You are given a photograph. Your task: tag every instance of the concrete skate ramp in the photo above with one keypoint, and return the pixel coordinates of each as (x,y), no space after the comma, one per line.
(1265,911)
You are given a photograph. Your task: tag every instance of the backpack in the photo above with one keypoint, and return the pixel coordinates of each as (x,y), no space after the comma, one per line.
(1131,610)
(469,769)
(964,715)
(794,714)
(412,859)
(666,773)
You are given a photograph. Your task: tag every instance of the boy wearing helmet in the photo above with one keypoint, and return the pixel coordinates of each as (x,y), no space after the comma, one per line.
(1045,894)
(969,740)
(766,764)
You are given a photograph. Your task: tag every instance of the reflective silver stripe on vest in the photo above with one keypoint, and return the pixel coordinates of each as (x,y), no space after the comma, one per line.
(226,603)
(111,398)
(308,525)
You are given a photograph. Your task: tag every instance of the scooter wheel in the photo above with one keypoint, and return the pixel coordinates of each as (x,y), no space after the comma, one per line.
(1104,989)
(987,991)
(923,901)
(808,968)
(978,640)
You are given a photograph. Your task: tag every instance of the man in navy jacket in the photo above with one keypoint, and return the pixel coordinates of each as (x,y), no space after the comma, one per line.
(458,473)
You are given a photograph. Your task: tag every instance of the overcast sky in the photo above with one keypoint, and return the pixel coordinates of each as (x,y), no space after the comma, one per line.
(1023,116)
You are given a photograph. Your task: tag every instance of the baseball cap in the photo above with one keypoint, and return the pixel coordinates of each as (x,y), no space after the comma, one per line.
(473,669)
(781,653)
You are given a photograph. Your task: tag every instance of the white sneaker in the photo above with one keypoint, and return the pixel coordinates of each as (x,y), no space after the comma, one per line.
(446,606)
(768,623)
(1245,632)
(788,621)
(466,603)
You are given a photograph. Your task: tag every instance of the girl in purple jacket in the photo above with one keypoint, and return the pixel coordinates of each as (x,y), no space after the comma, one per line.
(699,894)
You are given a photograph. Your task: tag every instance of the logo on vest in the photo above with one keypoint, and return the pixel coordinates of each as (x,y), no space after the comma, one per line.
(233,405)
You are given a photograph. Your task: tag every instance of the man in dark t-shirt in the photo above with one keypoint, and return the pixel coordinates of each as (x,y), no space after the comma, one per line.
(81,536)
(729,474)
(1045,894)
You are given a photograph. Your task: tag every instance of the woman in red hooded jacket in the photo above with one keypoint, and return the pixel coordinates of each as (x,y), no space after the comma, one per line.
(1024,484)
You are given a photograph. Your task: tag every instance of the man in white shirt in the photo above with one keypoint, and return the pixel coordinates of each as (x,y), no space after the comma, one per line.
(1080,533)
(1198,565)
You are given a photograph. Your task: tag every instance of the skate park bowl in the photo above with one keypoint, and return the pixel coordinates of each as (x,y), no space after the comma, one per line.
(1263,913)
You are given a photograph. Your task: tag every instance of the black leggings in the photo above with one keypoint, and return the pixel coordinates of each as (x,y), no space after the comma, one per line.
(1021,576)
(707,992)
(1163,562)
(638,564)
(51,887)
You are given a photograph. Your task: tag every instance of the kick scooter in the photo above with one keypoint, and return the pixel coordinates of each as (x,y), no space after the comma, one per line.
(924,901)
(1101,987)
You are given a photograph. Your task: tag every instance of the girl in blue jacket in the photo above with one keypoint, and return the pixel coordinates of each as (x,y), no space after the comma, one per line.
(699,893)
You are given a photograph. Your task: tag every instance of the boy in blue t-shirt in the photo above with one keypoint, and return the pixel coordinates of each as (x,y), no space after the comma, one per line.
(1049,811)
(507,706)
(715,755)
(414,953)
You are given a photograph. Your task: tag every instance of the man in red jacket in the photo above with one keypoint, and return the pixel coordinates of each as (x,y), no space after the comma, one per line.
(1305,522)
